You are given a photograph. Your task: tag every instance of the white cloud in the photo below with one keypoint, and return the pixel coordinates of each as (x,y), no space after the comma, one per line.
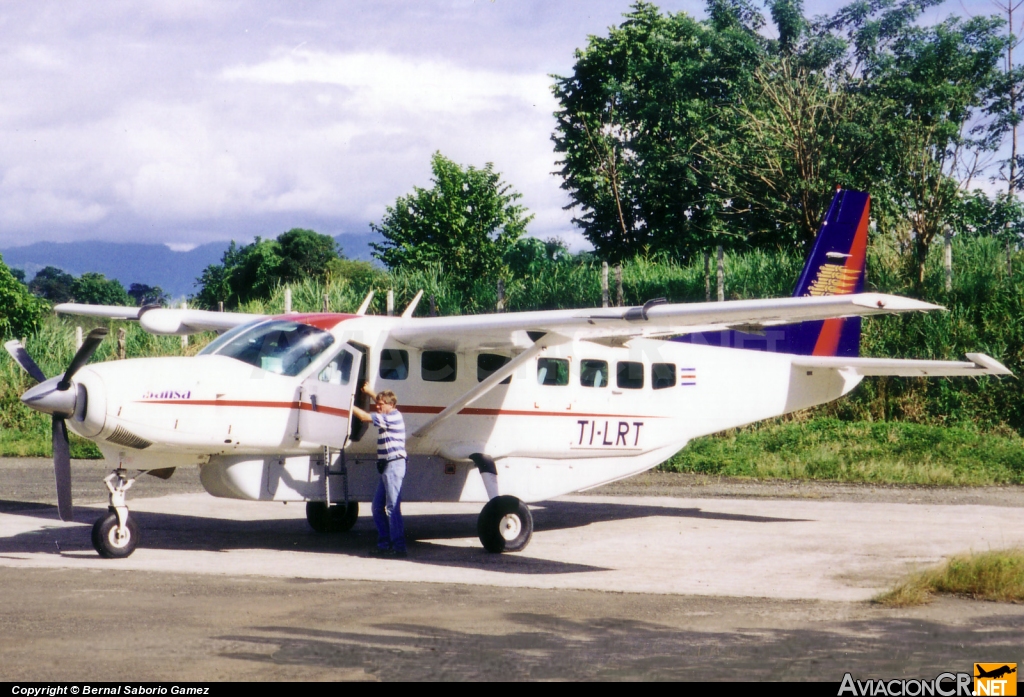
(379,83)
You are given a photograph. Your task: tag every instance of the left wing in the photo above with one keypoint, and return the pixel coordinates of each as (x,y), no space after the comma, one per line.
(518,329)
(163,320)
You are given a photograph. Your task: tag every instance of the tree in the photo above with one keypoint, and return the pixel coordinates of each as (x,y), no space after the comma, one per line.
(96,289)
(19,274)
(639,119)
(147,295)
(465,222)
(53,284)
(253,270)
(928,88)
(305,254)
(20,311)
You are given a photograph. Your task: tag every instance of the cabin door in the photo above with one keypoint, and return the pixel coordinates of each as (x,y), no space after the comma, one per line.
(325,405)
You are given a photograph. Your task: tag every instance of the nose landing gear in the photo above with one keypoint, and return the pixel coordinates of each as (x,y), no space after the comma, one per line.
(115,535)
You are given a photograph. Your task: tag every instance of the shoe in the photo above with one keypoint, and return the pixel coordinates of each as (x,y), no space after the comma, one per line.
(380,552)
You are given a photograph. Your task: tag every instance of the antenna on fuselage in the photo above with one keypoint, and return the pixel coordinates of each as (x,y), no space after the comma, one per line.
(366,304)
(412,305)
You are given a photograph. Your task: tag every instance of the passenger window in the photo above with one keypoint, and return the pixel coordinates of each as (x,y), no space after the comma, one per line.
(629,375)
(394,364)
(552,371)
(488,363)
(339,370)
(593,373)
(663,375)
(438,366)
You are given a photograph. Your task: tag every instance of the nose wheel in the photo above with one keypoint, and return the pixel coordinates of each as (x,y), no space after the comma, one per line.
(505,525)
(115,535)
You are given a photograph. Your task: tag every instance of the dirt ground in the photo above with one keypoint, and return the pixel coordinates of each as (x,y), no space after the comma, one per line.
(110,624)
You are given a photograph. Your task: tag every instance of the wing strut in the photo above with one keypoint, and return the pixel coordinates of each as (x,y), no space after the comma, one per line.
(412,306)
(483,388)
(366,304)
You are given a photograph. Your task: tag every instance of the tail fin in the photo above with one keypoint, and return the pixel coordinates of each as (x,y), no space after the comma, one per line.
(835,267)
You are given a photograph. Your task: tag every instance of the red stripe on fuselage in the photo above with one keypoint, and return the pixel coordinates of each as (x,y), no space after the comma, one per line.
(408,409)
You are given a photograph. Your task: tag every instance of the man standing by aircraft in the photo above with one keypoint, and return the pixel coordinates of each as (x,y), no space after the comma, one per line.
(391,457)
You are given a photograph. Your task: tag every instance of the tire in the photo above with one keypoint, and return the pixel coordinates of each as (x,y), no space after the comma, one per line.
(105,539)
(505,525)
(333,519)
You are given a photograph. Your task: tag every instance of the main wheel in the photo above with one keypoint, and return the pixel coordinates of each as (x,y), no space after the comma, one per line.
(110,542)
(505,525)
(336,518)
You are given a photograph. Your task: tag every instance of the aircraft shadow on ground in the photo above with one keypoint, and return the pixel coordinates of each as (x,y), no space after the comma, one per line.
(536,646)
(172,531)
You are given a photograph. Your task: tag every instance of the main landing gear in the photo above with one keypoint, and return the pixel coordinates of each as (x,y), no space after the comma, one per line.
(115,535)
(327,519)
(505,525)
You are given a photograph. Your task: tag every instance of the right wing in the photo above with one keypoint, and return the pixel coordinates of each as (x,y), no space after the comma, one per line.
(163,320)
(516,329)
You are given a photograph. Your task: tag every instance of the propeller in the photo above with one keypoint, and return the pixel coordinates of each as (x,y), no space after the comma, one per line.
(54,396)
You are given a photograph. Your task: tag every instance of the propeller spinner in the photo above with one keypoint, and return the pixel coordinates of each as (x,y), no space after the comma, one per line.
(54,396)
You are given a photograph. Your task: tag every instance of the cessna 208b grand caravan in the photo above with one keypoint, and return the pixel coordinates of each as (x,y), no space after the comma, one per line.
(503,409)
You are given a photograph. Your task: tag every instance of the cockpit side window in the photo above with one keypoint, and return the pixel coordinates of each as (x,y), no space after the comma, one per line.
(277,346)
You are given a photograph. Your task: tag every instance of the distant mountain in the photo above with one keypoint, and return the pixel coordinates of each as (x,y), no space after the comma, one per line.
(152,264)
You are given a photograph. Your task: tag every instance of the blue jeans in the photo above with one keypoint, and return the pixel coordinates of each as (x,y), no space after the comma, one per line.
(387,507)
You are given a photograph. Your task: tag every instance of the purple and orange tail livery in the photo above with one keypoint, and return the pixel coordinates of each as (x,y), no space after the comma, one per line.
(834,267)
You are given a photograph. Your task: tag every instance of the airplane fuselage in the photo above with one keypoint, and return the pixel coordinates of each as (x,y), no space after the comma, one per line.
(578,415)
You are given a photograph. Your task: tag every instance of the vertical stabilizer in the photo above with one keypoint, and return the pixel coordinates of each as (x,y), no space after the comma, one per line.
(834,267)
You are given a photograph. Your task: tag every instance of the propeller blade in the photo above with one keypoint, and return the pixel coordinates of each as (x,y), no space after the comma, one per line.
(62,468)
(89,347)
(21,357)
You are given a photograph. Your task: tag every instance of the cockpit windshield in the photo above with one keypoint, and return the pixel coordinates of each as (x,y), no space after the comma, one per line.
(277,346)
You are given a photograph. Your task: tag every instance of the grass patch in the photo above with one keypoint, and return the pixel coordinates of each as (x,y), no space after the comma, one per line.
(874,452)
(997,576)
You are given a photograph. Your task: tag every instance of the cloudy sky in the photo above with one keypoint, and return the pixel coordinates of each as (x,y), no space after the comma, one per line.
(191,121)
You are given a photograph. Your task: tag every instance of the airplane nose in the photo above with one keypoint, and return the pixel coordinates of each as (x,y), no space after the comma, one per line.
(45,397)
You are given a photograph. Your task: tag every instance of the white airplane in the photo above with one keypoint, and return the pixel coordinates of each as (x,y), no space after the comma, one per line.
(503,409)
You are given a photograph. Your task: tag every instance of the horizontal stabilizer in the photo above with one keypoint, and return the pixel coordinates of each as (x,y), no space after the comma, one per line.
(977,364)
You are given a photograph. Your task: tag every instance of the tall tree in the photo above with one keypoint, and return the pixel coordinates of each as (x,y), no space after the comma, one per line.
(466,222)
(96,289)
(929,87)
(53,284)
(20,311)
(637,118)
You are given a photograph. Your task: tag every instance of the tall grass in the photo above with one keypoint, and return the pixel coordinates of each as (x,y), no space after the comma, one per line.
(997,575)
(986,313)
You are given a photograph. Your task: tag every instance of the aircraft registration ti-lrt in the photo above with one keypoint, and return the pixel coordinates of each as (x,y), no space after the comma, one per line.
(503,409)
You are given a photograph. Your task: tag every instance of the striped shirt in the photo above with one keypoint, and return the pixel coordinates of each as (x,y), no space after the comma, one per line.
(390,436)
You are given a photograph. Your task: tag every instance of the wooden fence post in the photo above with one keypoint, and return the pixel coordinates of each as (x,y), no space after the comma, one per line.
(391,303)
(121,335)
(325,307)
(78,338)
(184,338)
(220,306)
(721,274)
(287,299)
(947,257)
(433,306)
(618,285)
(501,295)
(707,276)
(604,284)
